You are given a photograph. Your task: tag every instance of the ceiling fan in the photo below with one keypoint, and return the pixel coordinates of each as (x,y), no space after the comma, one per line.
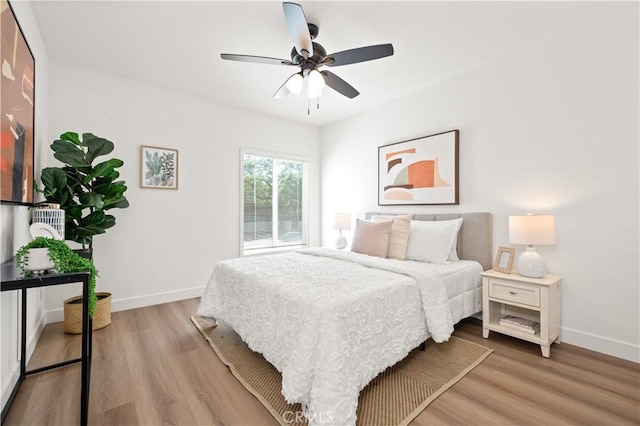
(310,56)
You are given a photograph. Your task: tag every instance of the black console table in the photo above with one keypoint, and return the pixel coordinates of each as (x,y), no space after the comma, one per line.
(12,279)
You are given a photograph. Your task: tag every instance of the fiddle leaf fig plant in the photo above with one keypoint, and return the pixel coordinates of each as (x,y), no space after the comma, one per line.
(65,261)
(84,190)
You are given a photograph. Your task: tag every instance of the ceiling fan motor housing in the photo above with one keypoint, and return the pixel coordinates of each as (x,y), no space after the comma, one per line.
(311,62)
(313,30)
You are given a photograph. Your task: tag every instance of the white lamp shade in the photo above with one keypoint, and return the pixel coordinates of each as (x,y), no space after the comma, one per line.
(342,221)
(315,84)
(294,84)
(532,229)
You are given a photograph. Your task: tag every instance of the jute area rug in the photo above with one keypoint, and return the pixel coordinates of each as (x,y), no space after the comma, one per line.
(395,397)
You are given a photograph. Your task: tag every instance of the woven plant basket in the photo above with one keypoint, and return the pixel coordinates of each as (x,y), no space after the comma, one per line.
(73,313)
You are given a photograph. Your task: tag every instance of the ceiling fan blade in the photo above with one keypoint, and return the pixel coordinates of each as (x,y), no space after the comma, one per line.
(360,54)
(282,91)
(298,28)
(339,85)
(256,59)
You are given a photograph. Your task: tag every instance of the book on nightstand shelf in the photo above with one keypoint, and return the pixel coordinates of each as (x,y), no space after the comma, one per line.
(522,324)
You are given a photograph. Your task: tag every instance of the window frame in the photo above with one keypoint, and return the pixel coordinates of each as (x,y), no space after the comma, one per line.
(305,161)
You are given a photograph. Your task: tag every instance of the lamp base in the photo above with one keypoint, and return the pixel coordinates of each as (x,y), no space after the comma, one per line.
(531,264)
(341,242)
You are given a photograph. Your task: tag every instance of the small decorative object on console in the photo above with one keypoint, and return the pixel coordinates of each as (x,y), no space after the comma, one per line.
(50,214)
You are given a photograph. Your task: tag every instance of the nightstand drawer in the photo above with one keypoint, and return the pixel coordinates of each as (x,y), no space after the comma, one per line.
(512,292)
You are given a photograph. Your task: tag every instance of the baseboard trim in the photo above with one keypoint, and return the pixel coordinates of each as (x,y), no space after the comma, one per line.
(33,341)
(9,383)
(57,315)
(12,378)
(601,344)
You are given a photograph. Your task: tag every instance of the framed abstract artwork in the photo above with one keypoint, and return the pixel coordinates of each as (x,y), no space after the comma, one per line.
(419,171)
(16,112)
(158,167)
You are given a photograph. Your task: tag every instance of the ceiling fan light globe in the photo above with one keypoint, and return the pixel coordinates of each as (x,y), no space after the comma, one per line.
(316,81)
(294,84)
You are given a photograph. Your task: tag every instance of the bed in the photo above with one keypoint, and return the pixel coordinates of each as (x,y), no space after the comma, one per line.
(331,320)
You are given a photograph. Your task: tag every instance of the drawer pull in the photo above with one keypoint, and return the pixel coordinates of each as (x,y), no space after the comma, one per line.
(513,292)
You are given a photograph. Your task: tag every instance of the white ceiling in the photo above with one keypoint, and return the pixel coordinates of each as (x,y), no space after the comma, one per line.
(177,45)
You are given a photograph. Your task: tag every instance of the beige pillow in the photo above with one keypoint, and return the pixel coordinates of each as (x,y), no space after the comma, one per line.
(372,238)
(400,230)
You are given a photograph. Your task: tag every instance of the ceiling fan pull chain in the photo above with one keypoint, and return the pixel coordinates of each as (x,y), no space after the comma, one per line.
(318,102)
(308,109)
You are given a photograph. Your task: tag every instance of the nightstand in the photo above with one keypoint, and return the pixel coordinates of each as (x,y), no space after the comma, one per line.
(535,299)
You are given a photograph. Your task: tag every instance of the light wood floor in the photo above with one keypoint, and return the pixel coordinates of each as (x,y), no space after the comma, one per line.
(151,367)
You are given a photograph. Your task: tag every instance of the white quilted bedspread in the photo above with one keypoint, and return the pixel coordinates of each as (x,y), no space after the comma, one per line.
(330,321)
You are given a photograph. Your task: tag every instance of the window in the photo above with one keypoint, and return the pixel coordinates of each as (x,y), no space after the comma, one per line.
(274,202)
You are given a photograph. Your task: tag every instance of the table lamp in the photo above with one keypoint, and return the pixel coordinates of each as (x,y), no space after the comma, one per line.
(532,230)
(342,222)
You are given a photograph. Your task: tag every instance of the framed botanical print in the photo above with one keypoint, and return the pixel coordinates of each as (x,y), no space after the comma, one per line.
(158,167)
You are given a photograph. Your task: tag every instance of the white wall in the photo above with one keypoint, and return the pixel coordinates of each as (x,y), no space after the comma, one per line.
(14,221)
(552,129)
(165,244)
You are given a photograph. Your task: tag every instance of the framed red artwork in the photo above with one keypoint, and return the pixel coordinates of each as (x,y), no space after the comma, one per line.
(17,112)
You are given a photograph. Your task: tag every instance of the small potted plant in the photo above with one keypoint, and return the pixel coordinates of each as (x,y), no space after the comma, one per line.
(64,260)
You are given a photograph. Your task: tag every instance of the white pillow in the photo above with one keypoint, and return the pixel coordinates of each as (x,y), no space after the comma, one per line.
(453,254)
(432,241)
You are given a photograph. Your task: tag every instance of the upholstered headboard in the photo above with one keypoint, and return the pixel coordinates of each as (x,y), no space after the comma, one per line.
(475,239)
